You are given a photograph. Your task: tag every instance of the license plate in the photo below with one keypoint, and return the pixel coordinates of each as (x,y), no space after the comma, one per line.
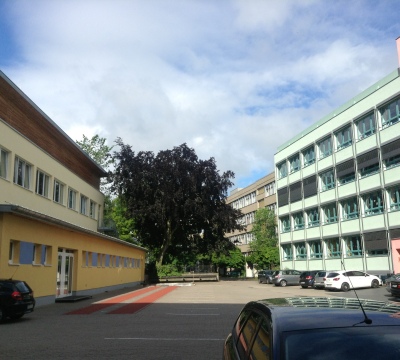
(29,307)
(302,282)
(394,286)
(328,284)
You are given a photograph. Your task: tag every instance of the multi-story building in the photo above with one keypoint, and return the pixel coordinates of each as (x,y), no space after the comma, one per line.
(51,208)
(248,200)
(338,186)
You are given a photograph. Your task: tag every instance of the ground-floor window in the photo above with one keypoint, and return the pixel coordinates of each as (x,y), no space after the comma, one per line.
(353,246)
(287,252)
(333,248)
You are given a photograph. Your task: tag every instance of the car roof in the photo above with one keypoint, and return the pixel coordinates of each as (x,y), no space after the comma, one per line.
(302,313)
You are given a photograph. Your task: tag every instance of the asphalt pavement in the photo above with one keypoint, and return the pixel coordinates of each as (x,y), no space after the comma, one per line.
(183,322)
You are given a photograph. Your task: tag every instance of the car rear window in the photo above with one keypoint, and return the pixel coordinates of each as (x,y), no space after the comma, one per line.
(22,287)
(320,274)
(331,275)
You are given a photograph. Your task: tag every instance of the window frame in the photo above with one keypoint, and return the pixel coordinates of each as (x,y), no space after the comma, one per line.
(366,132)
(327,180)
(326,142)
(350,204)
(311,213)
(298,221)
(285,224)
(344,138)
(369,200)
(354,246)
(282,170)
(287,255)
(316,251)
(23,173)
(328,218)
(294,163)
(42,183)
(394,198)
(333,248)
(308,156)
(72,199)
(58,188)
(386,109)
(4,160)
(302,254)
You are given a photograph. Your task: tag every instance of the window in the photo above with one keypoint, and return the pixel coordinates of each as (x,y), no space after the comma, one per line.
(42,183)
(298,221)
(350,209)
(333,248)
(327,180)
(285,224)
(82,208)
(345,172)
(301,252)
(394,195)
(330,213)
(315,249)
(71,199)
(282,170)
(325,147)
(313,217)
(270,189)
(58,195)
(3,163)
(373,203)
(294,163)
(92,209)
(287,252)
(368,163)
(353,246)
(344,138)
(365,127)
(391,154)
(22,173)
(390,114)
(309,156)
(376,243)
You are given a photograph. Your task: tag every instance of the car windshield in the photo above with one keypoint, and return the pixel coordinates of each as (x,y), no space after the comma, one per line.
(343,343)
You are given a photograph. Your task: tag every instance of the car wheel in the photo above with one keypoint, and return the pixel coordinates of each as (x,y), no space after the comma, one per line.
(375,283)
(269,281)
(304,287)
(260,281)
(345,287)
(283,283)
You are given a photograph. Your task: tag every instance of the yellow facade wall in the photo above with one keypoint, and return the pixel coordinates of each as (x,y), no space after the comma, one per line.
(42,277)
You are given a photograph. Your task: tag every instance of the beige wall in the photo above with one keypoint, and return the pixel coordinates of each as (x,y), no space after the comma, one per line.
(11,193)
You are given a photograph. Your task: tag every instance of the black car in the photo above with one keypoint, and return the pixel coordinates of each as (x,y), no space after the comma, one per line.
(265,276)
(393,285)
(16,299)
(307,278)
(284,328)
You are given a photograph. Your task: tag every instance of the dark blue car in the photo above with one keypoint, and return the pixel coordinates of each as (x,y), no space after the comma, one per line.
(315,328)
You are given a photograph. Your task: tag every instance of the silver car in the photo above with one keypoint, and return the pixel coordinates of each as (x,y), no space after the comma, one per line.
(286,277)
(319,280)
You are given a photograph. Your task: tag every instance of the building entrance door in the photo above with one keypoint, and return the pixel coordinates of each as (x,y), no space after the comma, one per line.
(64,273)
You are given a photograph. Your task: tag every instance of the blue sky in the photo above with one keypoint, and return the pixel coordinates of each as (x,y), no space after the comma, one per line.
(233,79)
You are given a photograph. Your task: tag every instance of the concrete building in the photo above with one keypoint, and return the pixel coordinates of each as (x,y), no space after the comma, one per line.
(338,186)
(256,196)
(51,209)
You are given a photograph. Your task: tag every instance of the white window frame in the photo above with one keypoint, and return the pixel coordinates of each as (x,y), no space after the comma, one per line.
(22,173)
(42,183)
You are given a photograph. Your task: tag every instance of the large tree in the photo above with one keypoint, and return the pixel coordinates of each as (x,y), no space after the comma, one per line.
(176,199)
(264,247)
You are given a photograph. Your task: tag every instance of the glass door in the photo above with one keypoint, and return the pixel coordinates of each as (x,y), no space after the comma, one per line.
(64,273)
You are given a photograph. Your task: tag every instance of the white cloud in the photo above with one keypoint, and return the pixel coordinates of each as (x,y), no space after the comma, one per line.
(233,79)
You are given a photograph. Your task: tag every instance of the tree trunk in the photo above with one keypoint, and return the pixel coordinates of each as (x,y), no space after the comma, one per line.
(165,245)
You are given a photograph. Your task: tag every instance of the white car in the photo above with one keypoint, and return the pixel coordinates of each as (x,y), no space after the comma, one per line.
(345,280)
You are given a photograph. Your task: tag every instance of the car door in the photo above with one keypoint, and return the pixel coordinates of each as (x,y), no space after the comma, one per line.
(361,279)
(294,277)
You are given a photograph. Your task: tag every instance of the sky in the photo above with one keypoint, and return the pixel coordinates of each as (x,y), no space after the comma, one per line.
(233,79)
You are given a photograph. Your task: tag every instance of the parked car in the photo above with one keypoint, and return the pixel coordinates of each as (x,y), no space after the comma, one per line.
(265,276)
(307,278)
(345,280)
(286,277)
(16,299)
(319,279)
(393,285)
(282,329)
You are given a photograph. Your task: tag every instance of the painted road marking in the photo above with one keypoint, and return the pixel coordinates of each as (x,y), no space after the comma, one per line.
(101,305)
(143,302)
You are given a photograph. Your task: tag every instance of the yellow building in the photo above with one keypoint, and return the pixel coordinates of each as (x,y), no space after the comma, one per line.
(51,209)
(260,194)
